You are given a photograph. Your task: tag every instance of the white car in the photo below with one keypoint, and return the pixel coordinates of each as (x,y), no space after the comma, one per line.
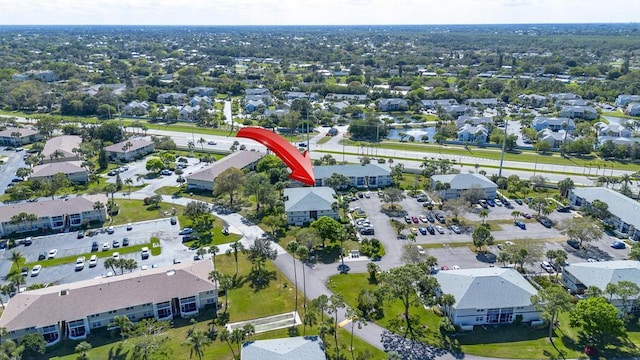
(93,260)
(116,255)
(420,249)
(455,267)
(36,270)
(106,246)
(440,229)
(110,230)
(546,266)
(80,263)
(498,202)
(211,142)
(52,253)
(455,229)
(144,267)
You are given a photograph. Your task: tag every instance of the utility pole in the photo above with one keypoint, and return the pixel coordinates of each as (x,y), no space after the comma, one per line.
(504,143)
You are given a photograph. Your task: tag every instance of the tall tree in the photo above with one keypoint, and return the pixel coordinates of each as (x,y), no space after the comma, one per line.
(583,229)
(235,248)
(328,229)
(565,186)
(550,302)
(399,283)
(292,247)
(393,196)
(229,182)
(198,341)
(598,320)
(258,253)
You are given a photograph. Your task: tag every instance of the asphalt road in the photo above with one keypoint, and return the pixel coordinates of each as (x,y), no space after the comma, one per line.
(13,161)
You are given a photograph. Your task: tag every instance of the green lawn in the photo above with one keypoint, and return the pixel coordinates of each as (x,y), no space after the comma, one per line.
(135,211)
(244,303)
(323,140)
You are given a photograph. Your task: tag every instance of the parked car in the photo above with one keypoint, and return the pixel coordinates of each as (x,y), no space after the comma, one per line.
(420,249)
(423,218)
(27,241)
(129,227)
(52,253)
(431,229)
(525,215)
(115,244)
(483,203)
(116,255)
(24,271)
(173,220)
(574,243)
(618,245)
(546,266)
(546,222)
(521,225)
(564,209)
(42,256)
(407,219)
(211,142)
(491,203)
(415,219)
(186,231)
(80,234)
(367,231)
(498,202)
(80,263)
(106,246)
(440,229)
(110,230)
(422,230)
(36,270)
(430,218)
(177,261)
(94,246)
(125,242)
(93,260)
(456,229)
(144,253)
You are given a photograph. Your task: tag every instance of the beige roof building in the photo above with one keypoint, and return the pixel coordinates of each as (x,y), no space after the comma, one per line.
(26,136)
(204,179)
(62,146)
(74,309)
(53,214)
(137,148)
(72,169)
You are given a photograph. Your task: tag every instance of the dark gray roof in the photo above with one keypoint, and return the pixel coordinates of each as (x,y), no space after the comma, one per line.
(350,170)
(464,181)
(477,288)
(602,273)
(308,198)
(621,206)
(295,348)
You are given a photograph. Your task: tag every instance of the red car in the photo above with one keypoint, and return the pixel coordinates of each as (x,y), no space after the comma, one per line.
(444,267)
(526,215)
(415,219)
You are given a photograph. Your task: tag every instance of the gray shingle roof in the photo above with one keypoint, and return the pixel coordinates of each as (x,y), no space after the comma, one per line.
(464,181)
(602,273)
(621,206)
(136,144)
(296,348)
(308,198)
(350,170)
(477,288)
(238,160)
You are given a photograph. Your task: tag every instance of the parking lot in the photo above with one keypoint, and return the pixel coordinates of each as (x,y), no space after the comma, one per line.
(68,244)
(462,256)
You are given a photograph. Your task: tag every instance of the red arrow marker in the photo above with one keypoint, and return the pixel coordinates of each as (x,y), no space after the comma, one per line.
(300,164)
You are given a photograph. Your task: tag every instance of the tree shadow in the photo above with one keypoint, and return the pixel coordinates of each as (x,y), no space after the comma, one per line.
(118,354)
(260,279)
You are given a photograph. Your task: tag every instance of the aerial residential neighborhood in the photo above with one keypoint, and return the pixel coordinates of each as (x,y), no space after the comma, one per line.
(466,199)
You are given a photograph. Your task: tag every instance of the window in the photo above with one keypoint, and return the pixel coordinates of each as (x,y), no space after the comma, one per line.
(479,318)
(96,324)
(188,304)
(113,311)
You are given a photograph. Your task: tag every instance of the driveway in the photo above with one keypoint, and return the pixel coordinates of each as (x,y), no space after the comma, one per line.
(13,161)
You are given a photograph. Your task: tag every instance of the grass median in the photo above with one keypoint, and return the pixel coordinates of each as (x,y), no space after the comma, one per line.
(101,254)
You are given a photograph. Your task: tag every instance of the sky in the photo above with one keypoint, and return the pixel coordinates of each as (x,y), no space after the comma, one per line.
(314,12)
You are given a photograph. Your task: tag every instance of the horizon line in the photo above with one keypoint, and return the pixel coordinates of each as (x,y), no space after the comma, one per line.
(311,25)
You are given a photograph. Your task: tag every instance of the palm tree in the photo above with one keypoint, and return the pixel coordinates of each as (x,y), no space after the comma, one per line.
(625,179)
(225,335)
(16,259)
(225,283)
(515,214)
(83,348)
(198,341)
(123,323)
(484,213)
(213,250)
(249,330)
(129,182)
(292,247)
(310,318)
(201,141)
(235,248)
(565,186)
(237,336)
(111,263)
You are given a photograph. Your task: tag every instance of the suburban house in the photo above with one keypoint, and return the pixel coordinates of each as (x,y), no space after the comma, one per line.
(474,120)
(129,150)
(254,105)
(578,277)
(613,129)
(55,214)
(573,102)
(458,183)
(395,104)
(258,92)
(532,100)
(554,138)
(292,95)
(171,98)
(624,99)
(624,210)
(456,110)
(475,292)
(42,75)
(435,103)
(474,134)
(554,124)
(292,348)
(12,136)
(563,96)
(489,102)
(73,310)
(632,109)
(136,108)
(361,176)
(306,204)
(201,100)
(203,179)
(201,91)
(60,148)
(188,112)
(579,112)
(354,98)
(73,170)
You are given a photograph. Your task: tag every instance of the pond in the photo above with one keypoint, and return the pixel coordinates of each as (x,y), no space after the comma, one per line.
(417,133)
